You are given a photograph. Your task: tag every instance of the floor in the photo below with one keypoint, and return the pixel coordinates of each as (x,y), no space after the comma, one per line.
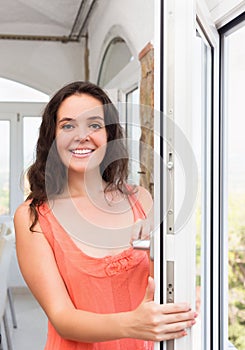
(31,328)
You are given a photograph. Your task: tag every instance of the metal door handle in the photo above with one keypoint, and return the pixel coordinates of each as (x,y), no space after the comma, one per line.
(145,244)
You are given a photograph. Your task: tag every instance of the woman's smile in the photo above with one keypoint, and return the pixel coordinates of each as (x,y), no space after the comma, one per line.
(82,152)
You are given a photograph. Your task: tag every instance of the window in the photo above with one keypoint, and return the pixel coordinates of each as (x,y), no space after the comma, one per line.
(190,76)
(30,134)
(20,110)
(233,218)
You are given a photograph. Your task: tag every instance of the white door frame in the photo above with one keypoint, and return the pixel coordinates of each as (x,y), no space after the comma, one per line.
(175,29)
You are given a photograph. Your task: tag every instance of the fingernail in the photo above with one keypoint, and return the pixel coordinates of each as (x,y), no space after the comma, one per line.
(184,333)
(195,314)
(193,321)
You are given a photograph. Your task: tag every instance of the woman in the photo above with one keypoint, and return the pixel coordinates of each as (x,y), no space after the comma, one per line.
(74,229)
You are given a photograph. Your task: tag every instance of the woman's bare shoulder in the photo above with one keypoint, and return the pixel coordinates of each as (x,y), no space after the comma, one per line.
(23,216)
(23,210)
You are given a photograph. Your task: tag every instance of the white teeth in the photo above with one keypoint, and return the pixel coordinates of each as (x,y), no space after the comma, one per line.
(81,151)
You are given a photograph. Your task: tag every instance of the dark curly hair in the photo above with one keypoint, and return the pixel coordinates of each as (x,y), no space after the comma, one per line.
(47,175)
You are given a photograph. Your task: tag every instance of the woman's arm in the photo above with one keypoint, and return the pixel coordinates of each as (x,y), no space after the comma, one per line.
(38,266)
(37,263)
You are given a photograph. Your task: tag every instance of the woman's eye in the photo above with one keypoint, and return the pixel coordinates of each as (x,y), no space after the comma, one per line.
(67,127)
(95,126)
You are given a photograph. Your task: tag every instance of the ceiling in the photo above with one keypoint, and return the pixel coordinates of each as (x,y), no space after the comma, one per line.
(57,20)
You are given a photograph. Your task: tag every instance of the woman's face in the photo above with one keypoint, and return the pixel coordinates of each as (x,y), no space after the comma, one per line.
(80,132)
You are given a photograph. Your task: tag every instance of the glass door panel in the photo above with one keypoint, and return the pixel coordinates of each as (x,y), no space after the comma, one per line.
(30,134)
(235,126)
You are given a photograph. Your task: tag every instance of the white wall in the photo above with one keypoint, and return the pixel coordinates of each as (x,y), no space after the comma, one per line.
(48,65)
(131,20)
(45,66)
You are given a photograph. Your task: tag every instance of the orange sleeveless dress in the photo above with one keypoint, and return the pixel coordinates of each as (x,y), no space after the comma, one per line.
(102,285)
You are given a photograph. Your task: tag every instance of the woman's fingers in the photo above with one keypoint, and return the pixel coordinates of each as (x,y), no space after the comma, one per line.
(161,322)
(174,330)
(176,319)
(178,326)
(171,308)
(171,320)
(180,317)
(170,336)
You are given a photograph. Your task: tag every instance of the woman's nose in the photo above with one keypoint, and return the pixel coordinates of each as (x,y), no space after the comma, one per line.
(82,134)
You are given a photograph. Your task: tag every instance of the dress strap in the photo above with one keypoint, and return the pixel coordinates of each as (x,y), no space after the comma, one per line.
(137,208)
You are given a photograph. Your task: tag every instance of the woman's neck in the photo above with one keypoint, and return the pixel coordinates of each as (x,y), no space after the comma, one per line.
(89,184)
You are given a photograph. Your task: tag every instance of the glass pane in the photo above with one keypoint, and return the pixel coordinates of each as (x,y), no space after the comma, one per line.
(4,167)
(30,134)
(133,133)
(235,86)
(202,73)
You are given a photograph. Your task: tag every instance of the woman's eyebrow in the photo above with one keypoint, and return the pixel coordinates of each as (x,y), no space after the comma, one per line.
(66,119)
(96,117)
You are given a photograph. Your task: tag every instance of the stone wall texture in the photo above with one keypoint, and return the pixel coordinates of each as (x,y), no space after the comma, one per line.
(146,58)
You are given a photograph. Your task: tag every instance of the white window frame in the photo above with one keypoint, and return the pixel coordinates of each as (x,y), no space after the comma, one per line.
(15,112)
(212,330)
(179,35)
(180,17)
(12,119)
(158,246)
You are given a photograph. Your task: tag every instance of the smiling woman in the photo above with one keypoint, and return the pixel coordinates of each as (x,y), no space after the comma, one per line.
(96,294)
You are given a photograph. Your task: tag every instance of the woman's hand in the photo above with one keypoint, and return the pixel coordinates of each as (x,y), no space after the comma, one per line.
(151,321)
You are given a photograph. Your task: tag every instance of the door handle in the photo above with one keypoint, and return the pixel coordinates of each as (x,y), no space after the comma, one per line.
(145,244)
